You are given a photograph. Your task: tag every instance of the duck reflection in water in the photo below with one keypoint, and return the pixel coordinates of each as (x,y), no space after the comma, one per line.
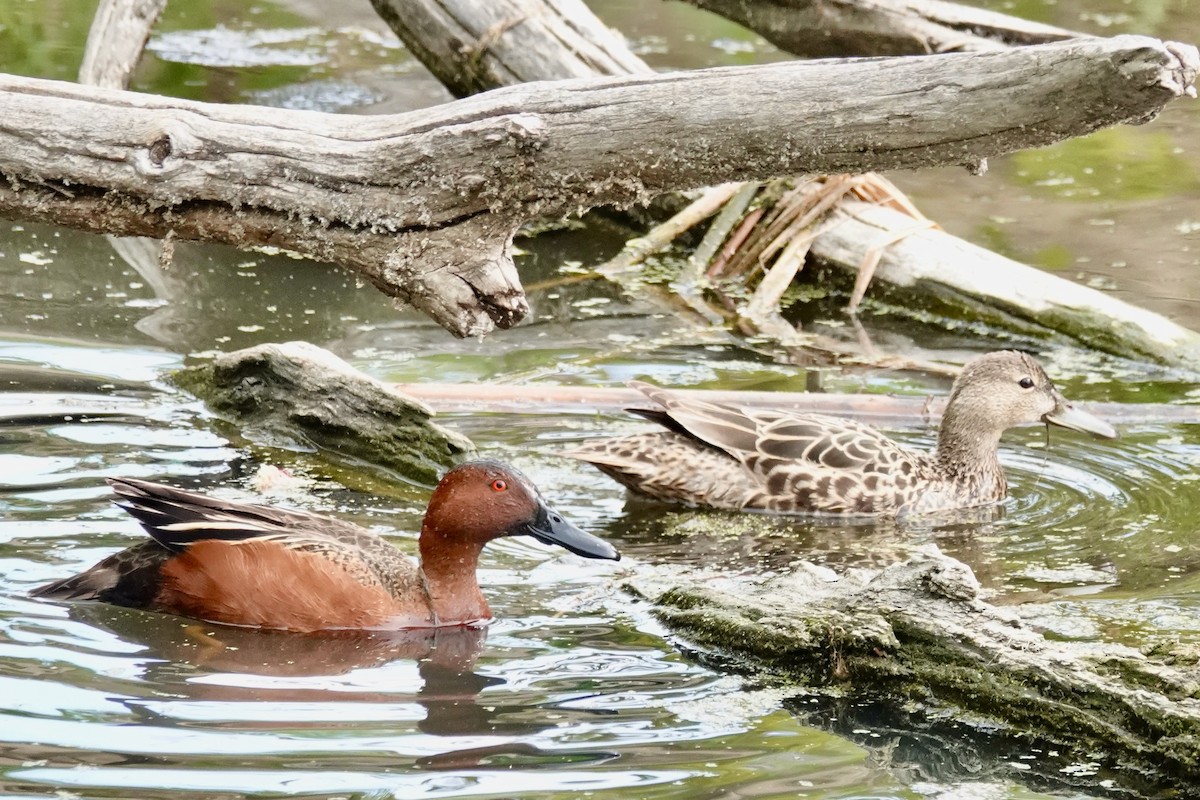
(199,662)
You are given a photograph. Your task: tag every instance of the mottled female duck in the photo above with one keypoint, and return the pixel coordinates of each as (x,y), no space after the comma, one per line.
(245,564)
(791,462)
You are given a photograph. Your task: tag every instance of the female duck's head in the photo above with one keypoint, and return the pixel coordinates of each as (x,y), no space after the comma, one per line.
(1001,390)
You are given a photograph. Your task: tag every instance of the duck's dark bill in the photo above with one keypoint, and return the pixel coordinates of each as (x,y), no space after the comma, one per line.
(551,528)
(1076,419)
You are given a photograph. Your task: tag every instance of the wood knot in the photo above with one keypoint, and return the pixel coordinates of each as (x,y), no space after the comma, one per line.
(160,150)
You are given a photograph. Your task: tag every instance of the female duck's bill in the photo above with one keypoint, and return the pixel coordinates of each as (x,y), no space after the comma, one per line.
(254,565)
(792,462)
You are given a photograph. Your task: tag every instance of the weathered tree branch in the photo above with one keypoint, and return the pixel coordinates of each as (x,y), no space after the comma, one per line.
(424,204)
(116,40)
(824,28)
(473,47)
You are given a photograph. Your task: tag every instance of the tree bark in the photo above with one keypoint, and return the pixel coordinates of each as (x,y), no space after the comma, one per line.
(424,205)
(830,28)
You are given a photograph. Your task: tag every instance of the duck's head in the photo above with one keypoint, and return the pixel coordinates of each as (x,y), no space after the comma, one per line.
(483,500)
(1007,388)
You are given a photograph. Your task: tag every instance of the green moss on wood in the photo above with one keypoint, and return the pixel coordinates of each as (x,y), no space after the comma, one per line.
(299,391)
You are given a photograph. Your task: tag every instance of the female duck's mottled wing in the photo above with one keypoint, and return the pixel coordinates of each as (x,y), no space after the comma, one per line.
(802,462)
(753,435)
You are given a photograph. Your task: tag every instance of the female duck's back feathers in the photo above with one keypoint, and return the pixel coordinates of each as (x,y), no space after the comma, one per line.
(726,456)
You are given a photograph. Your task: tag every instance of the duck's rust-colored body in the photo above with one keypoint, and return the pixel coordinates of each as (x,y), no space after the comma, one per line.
(725,456)
(246,564)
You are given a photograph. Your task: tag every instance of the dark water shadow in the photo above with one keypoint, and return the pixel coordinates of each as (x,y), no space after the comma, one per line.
(922,745)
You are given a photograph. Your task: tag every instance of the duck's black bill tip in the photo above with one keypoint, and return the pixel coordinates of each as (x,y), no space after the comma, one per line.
(552,528)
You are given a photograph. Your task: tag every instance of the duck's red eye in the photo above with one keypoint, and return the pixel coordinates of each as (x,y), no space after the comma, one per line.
(499,485)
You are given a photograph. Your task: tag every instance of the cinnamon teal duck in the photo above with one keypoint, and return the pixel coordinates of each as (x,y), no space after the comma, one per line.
(254,565)
(790,462)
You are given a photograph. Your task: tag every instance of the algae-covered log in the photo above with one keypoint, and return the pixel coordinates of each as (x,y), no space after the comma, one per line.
(299,391)
(917,633)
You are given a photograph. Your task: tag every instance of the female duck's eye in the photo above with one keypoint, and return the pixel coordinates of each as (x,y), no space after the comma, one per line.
(499,485)
(1026,383)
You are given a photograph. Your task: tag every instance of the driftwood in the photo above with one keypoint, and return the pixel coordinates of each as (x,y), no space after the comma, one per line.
(472,47)
(880,27)
(424,205)
(305,396)
(918,633)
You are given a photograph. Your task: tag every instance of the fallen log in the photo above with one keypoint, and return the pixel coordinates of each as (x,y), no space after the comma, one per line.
(472,47)
(302,396)
(424,205)
(916,635)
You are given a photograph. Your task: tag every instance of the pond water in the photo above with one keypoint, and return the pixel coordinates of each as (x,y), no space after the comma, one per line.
(575,689)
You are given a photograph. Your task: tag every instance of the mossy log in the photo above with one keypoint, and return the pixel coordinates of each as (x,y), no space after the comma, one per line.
(917,633)
(298,391)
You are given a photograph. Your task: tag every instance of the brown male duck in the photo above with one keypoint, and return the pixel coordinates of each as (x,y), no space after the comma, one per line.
(790,462)
(254,565)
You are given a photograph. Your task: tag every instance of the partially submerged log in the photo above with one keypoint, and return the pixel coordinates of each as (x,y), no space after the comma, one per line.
(424,205)
(472,47)
(917,632)
(301,393)
(878,409)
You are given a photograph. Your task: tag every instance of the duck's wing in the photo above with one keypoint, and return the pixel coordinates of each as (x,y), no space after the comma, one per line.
(764,439)
(177,519)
